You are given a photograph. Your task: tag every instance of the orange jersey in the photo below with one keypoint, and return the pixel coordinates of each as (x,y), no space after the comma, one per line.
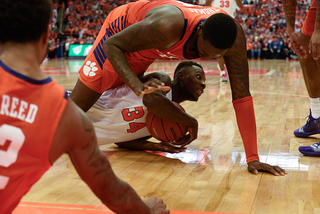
(97,72)
(30,111)
(310,21)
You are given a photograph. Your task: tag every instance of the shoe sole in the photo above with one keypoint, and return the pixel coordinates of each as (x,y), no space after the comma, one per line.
(312,154)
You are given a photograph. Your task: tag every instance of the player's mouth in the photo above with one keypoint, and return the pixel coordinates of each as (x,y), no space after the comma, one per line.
(199,92)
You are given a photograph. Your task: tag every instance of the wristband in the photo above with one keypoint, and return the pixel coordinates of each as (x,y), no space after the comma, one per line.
(247,126)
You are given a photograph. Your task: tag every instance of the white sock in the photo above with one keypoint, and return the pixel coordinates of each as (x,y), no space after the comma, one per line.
(222,72)
(315,107)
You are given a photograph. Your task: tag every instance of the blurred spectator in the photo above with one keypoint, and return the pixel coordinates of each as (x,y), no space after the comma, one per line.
(265,51)
(256,49)
(66,48)
(275,47)
(53,46)
(249,48)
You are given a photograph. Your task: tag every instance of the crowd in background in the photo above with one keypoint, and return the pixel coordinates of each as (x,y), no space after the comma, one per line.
(263,23)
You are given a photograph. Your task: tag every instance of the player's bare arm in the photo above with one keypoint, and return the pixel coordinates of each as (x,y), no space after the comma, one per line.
(290,7)
(314,43)
(239,3)
(84,96)
(93,166)
(161,29)
(237,65)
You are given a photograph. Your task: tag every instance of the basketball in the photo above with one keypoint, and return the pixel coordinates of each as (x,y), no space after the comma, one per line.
(165,130)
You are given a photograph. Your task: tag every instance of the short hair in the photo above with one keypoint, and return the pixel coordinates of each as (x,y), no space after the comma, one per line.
(24,21)
(221,31)
(184,64)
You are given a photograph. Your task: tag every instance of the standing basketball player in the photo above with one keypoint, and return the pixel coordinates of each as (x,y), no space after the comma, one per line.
(38,123)
(135,34)
(119,115)
(307,47)
(230,8)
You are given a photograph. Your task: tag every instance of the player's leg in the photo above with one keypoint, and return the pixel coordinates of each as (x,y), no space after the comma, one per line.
(83,96)
(223,73)
(311,74)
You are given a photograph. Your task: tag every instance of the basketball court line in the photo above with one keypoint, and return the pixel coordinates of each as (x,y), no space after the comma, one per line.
(51,208)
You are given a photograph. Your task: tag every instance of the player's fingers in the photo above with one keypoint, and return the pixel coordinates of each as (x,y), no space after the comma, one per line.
(317,51)
(253,170)
(279,170)
(181,140)
(300,53)
(164,88)
(187,142)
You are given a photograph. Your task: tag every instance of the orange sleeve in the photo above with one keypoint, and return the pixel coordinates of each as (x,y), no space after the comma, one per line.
(247,126)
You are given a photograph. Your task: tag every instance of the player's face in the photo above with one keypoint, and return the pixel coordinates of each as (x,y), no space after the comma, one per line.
(206,51)
(194,82)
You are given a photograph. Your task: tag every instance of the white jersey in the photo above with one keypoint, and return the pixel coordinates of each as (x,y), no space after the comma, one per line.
(119,115)
(226,5)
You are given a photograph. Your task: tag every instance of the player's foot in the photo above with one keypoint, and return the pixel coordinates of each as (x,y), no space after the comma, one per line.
(224,78)
(313,150)
(312,127)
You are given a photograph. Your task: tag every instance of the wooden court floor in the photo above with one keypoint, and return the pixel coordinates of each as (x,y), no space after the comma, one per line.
(211,176)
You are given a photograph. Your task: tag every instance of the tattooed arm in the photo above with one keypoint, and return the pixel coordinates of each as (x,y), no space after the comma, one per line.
(161,29)
(289,7)
(75,135)
(237,66)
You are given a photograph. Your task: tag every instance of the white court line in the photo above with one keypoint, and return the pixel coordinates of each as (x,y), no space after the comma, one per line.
(271,72)
(295,95)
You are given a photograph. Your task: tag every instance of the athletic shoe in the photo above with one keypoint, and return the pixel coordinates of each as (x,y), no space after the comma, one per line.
(312,127)
(313,150)
(224,78)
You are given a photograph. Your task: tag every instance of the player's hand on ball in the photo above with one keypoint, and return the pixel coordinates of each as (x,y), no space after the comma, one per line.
(255,166)
(187,139)
(153,85)
(156,205)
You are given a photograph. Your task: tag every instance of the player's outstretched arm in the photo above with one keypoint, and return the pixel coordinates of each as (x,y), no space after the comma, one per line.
(161,29)
(76,136)
(237,65)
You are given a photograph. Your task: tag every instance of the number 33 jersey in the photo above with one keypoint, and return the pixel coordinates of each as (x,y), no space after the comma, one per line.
(30,111)
(119,115)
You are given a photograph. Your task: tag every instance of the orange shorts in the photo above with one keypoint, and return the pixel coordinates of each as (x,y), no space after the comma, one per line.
(309,23)
(97,72)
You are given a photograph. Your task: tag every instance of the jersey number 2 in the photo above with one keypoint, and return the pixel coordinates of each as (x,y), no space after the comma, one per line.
(224,4)
(131,115)
(11,138)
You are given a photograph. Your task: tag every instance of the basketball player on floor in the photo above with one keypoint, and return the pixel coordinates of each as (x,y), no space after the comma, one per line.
(307,47)
(230,8)
(135,34)
(119,116)
(38,123)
